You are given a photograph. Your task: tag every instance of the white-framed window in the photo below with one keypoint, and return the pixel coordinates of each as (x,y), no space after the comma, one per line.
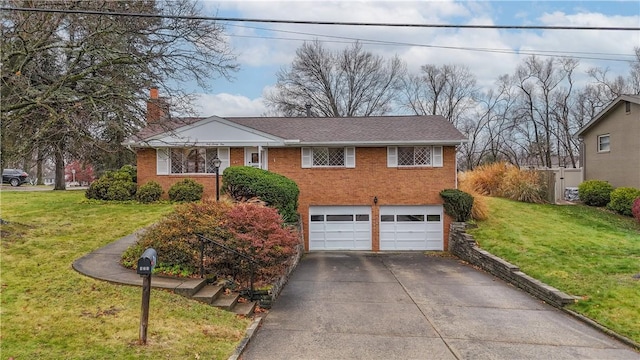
(604,143)
(328,157)
(193,160)
(414,156)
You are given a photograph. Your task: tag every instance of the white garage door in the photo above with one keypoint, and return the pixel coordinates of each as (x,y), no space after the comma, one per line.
(339,228)
(411,228)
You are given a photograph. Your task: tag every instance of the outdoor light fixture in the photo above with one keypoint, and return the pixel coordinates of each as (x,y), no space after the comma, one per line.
(375,200)
(216,165)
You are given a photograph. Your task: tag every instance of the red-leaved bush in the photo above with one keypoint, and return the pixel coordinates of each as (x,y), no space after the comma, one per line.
(635,209)
(252,229)
(260,232)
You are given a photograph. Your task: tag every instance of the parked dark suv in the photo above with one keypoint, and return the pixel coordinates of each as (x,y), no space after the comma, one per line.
(15,177)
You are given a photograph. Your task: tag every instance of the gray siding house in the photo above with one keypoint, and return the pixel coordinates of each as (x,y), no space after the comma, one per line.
(611,143)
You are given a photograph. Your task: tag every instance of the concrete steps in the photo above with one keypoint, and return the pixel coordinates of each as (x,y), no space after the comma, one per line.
(215,295)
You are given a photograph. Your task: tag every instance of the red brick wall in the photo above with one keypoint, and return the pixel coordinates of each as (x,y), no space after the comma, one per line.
(338,186)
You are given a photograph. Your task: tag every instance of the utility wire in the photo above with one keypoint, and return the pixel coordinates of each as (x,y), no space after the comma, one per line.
(332,23)
(346,39)
(547,53)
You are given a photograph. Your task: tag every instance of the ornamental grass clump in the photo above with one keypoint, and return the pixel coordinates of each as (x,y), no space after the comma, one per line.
(507,181)
(486,179)
(523,185)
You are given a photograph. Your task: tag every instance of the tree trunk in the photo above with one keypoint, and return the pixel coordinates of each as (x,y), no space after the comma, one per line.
(39,170)
(60,183)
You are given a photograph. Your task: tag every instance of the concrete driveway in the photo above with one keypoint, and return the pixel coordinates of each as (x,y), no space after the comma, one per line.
(412,306)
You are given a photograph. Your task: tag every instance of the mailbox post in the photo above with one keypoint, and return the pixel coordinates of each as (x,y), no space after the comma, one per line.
(146,263)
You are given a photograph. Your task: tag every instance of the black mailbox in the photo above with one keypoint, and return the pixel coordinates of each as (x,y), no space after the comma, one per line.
(147,262)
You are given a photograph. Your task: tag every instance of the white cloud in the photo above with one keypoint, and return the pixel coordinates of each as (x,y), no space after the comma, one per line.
(223,104)
(261,49)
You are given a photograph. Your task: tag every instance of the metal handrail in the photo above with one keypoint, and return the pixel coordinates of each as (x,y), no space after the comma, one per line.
(249,259)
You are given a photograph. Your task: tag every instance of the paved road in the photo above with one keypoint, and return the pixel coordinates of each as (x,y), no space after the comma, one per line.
(410,306)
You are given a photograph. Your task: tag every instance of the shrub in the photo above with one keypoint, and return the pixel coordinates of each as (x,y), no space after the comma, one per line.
(186,190)
(505,180)
(523,185)
(244,182)
(622,199)
(635,209)
(149,192)
(132,171)
(250,229)
(457,204)
(595,192)
(113,185)
(486,179)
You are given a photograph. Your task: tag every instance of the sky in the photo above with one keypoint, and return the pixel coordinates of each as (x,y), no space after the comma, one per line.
(263,49)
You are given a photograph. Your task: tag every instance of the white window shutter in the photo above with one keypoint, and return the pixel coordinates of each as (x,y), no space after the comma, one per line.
(437,156)
(392,156)
(162,161)
(223,155)
(350,157)
(307,155)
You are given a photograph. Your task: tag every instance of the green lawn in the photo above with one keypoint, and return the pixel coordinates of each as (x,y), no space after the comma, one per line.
(580,250)
(49,311)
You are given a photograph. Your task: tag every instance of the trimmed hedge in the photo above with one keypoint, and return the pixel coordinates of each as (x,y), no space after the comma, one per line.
(186,190)
(595,192)
(457,204)
(622,200)
(245,182)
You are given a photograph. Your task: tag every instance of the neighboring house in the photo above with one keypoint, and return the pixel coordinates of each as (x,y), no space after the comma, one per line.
(611,143)
(365,183)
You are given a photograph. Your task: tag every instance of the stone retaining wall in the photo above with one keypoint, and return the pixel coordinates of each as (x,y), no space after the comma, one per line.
(464,246)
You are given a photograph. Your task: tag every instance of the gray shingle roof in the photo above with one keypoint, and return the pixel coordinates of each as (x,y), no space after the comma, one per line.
(343,130)
(381,129)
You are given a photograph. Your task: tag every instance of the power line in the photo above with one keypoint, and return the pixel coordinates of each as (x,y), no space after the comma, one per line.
(331,23)
(544,53)
(346,39)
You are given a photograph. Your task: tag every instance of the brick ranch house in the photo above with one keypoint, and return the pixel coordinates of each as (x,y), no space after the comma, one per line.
(365,183)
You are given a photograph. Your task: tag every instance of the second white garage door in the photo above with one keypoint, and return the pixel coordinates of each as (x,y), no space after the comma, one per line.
(339,228)
(411,228)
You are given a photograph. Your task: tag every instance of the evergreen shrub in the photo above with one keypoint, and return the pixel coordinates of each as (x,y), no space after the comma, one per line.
(186,190)
(245,182)
(595,192)
(622,200)
(149,192)
(457,204)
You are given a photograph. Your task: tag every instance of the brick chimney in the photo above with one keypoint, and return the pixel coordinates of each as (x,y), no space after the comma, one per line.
(157,107)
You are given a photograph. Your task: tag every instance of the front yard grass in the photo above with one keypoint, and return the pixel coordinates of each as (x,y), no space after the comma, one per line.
(49,311)
(583,251)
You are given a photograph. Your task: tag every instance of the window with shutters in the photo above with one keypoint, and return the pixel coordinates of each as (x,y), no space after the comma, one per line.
(328,157)
(413,156)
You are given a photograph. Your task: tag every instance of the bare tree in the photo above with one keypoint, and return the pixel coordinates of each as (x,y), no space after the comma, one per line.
(74,85)
(352,82)
(449,90)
